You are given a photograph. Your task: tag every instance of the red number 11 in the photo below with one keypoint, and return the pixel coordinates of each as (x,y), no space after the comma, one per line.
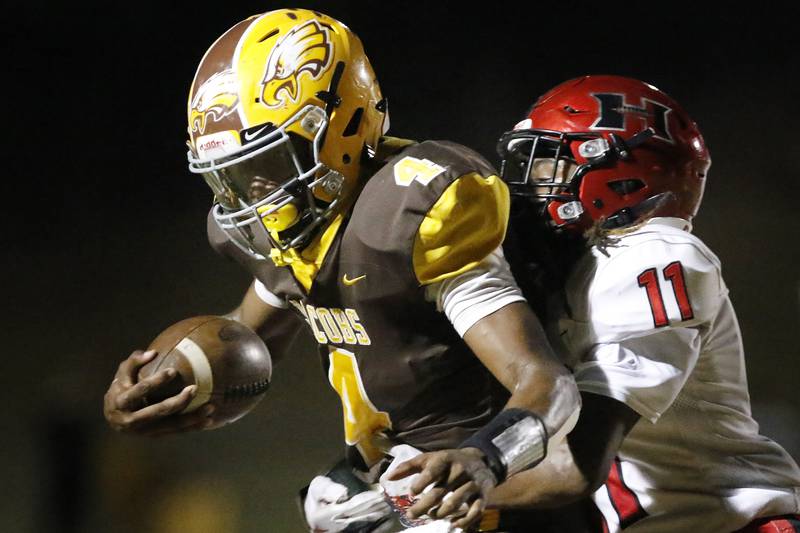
(649,281)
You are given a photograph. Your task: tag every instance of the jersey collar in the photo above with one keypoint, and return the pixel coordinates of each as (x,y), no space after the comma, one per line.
(306,264)
(673,222)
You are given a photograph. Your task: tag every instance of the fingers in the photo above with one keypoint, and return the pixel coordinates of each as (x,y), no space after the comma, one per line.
(128,369)
(118,401)
(472,517)
(441,470)
(447,502)
(427,501)
(453,502)
(172,405)
(405,469)
(458,482)
(151,417)
(435,470)
(135,395)
(125,408)
(197,420)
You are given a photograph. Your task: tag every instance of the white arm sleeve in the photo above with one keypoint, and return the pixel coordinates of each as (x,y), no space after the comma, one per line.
(477,293)
(268,297)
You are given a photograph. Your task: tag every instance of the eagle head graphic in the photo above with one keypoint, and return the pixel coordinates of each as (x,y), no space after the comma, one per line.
(305,49)
(214,100)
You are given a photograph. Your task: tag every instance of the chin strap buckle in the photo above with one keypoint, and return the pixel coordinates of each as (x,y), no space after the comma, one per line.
(570,211)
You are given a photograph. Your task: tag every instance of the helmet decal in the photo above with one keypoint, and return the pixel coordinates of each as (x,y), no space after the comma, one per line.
(614,111)
(217,98)
(305,49)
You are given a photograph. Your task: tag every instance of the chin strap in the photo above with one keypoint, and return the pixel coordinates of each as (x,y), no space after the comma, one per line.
(629,215)
(622,147)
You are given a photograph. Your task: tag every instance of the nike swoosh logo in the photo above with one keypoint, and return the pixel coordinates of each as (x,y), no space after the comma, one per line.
(250,135)
(351,282)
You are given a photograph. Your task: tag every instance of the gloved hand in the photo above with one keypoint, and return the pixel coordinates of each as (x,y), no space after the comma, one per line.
(329,507)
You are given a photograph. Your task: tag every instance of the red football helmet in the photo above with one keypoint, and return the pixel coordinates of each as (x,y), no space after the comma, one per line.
(607,150)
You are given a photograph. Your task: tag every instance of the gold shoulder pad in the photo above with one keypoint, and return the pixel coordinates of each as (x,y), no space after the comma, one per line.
(463,227)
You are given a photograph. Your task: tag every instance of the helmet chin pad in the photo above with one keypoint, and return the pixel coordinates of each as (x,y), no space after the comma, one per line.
(279,219)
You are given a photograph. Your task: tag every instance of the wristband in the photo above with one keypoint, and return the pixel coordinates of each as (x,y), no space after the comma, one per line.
(511,442)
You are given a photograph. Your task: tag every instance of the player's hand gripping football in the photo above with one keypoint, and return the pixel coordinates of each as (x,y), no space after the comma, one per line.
(461,485)
(126,409)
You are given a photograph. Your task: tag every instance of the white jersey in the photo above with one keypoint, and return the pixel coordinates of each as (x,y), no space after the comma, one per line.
(650,324)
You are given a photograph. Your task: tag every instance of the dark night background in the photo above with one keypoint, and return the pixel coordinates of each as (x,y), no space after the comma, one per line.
(105,236)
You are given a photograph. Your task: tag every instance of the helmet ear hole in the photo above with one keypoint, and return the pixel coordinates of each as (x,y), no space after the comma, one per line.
(626,186)
(355,121)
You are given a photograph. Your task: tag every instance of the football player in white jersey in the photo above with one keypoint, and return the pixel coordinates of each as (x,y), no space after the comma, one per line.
(665,441)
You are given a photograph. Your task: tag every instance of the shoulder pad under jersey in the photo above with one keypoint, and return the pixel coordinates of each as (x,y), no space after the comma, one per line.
(437,206)
(648,279)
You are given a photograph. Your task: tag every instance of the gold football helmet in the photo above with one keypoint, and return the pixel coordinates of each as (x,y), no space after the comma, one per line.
(283,110)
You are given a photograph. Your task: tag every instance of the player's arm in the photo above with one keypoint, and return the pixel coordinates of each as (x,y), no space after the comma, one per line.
(124,403)
(266,315)
(638,376)
(574,467)
(512,345)
(505,335)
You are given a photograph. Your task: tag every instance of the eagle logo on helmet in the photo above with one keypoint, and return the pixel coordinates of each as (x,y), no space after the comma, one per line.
(305,49)
(216,99)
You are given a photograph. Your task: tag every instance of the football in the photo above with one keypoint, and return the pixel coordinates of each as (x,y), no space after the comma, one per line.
(228,362)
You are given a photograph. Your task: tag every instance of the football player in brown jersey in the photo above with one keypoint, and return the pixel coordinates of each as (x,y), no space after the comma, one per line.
(389,250)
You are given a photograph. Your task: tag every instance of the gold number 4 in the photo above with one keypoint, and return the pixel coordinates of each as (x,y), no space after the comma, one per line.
(362,421)
(410,169)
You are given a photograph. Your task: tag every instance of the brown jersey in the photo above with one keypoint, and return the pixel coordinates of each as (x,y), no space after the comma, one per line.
(432,211)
